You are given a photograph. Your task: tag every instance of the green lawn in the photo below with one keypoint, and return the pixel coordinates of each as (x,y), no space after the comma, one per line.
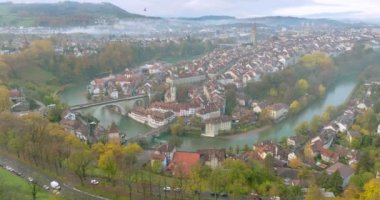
(14,187)
(35,74)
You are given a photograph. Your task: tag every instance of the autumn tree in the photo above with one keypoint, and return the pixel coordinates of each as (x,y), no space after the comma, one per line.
(302,86)
(308,152)
(371,190)
(294,107)
(321,90)
(317,60)
(295,163)
(313,193)
(4,99)
(79,161)
(108,163)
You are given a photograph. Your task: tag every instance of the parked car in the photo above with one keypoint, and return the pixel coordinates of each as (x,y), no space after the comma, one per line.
(55,185)
(94,181)
(167,188)
(45,187)
(9,168)
(30,179)
(177,189)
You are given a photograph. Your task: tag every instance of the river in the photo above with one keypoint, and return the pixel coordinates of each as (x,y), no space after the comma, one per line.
(334,97)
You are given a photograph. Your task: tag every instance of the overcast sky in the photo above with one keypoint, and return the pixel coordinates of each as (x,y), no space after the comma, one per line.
(346,9)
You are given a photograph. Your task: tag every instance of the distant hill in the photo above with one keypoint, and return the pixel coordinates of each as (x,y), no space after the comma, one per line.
(61,14)
(292,21)
(208,17)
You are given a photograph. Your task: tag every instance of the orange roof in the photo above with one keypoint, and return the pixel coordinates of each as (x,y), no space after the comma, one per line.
(183,162)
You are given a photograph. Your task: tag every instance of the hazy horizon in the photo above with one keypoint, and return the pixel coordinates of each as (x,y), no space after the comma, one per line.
(365,10)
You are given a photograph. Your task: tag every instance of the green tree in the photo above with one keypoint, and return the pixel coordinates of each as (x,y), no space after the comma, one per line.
(334,183)
(360,179)
(156,166)
(316,124)
(218,181)
(231,101)
(237,172)
(302,129)
(178,127)
(198,180)
(79,161)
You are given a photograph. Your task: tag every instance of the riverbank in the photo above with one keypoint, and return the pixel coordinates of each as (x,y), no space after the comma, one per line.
(251,132)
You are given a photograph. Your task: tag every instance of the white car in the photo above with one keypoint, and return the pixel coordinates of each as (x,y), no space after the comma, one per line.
(167,188)
(45,187)
(94,182)
(55,185)
(30,179)
(9,168)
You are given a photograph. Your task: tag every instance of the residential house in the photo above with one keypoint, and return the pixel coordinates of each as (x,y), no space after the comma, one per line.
(208,112)
(345,120)
(290,177)
(294,141)
(163,154)
(328,155)
(327,136)
(16,95)
(212,157)
(214,125)
(266,148)
(345,172)
(278,111)
(182,163)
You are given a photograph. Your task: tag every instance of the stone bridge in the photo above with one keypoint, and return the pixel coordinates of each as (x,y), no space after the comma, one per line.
(149,135)
(122,104)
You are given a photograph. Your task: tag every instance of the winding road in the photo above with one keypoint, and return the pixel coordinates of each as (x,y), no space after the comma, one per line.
(68,191)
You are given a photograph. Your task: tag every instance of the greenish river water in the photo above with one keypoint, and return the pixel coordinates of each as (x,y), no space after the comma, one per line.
(335,97)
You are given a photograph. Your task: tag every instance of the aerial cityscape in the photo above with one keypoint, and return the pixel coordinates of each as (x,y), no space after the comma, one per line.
(188,99)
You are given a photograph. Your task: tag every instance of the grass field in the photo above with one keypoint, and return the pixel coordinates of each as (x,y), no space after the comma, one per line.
(14,187)
(35,74)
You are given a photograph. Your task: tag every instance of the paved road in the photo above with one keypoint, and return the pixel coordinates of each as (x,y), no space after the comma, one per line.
(41,179)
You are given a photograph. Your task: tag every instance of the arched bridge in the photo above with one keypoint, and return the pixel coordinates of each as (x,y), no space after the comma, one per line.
(123,104)
(148,135)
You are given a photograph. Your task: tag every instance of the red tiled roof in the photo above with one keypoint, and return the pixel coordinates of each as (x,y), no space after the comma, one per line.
(15,93)
(183,162)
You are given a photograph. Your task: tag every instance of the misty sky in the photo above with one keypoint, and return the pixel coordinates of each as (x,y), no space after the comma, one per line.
(342,9)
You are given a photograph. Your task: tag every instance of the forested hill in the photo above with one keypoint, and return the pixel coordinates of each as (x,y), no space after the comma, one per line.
(61,14)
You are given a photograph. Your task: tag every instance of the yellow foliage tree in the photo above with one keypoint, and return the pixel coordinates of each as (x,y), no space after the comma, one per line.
(308,152)
(295,163)
(108,163)
(317,59)
(303,85)
(321,90)
(371,190)
(294,107)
